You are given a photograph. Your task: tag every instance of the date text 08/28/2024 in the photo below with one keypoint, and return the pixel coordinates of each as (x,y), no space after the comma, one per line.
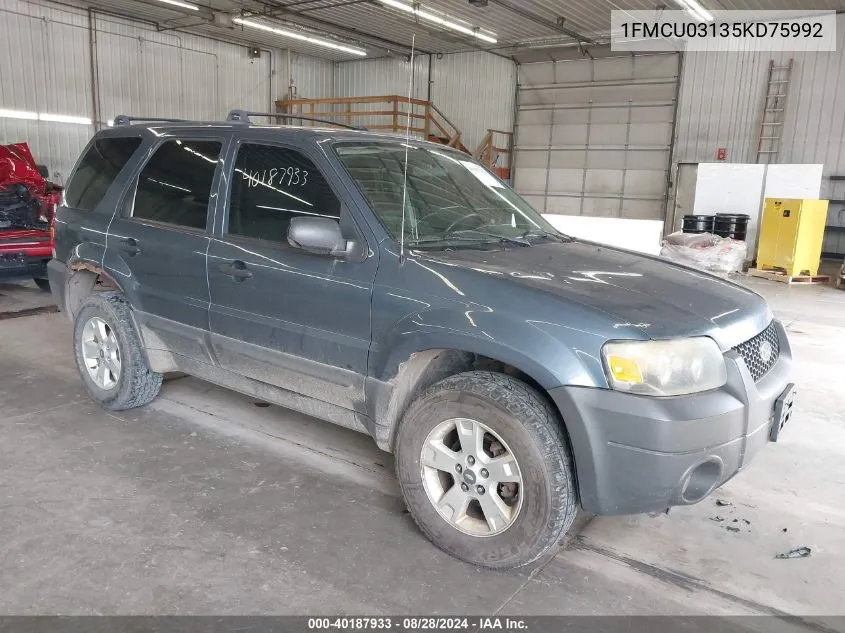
(417,623)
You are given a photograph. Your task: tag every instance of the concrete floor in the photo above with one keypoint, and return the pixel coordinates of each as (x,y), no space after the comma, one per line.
(24,299)
(204,503)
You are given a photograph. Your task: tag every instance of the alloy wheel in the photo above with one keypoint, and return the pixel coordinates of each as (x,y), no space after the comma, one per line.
(101,353)
(471,477)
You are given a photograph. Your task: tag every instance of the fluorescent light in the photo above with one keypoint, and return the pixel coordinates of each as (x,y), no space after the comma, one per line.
(696,10)
(436,19)
(35,116)
(64,118)
(184,5)
(299,36)
(18,114)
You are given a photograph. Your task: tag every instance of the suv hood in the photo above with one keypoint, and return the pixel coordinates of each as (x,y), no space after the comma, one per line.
(657,298)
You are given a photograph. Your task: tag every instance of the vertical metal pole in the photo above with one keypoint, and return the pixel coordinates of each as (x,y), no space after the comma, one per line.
(589,137)
(430,80)
(289,73)
(95,75)
(549,148)
(627,146)
(514,128)
(270,80)
(669,213)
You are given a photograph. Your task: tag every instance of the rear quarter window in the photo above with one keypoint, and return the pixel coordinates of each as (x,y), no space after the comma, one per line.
(97,170)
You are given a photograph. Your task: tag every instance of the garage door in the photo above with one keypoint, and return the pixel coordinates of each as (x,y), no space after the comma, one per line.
(593,136)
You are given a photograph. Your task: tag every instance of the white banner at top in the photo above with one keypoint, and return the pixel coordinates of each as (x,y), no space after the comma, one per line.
(737,31)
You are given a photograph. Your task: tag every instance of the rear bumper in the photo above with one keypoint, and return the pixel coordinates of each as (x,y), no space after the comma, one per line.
(22,266)
(641,454)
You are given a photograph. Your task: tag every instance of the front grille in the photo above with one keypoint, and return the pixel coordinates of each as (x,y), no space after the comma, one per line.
(758,356)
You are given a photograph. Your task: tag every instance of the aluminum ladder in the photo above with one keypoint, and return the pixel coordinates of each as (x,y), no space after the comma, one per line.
(774,111)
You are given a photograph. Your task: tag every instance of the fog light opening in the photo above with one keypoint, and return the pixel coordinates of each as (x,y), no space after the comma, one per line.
(701,480)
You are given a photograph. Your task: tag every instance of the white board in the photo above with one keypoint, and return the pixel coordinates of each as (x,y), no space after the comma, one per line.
(803,182)
(728,188)
(643,236)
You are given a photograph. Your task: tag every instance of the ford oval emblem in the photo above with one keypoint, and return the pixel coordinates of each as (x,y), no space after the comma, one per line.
(765,351)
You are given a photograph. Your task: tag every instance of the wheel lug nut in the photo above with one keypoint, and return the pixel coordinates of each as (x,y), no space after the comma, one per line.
(470,460)
(458,468)
(464,487)
(479,489)
(484,473)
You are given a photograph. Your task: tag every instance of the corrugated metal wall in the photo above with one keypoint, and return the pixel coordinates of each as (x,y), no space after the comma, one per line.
(176,75)
(475,91)
(312,78)
(384,76)
(720,103)
(722,95)
(45,66)
(381,77)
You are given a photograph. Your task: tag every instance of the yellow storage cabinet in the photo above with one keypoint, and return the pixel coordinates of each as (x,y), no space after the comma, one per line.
(791,234)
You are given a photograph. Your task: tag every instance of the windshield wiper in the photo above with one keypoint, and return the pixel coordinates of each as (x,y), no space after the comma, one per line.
(458,236)
(541,233)
(439,239)
(497,236)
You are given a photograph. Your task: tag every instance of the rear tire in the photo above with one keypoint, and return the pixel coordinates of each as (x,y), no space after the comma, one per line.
(43,284)
(109,355)
(509,415)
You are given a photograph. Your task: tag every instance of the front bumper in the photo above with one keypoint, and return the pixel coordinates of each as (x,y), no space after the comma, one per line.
(641,454)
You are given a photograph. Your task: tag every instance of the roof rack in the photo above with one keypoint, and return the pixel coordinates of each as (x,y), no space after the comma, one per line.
(242,116)
(127,119)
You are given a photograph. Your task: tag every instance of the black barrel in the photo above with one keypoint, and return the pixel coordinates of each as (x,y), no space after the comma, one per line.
(698,224)
(732,225)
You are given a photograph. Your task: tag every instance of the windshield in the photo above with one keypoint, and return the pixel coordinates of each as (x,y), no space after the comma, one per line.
(450,198)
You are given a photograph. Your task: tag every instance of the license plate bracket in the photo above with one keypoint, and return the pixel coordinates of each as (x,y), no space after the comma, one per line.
(783,411)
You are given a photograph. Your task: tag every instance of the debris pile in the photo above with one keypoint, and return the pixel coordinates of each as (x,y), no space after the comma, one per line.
(705,251)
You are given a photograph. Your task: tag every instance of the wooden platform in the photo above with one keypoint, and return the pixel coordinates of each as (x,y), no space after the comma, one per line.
(775,275)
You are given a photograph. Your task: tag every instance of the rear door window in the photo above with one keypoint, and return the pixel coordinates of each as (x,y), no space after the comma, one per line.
(174,187)
(97,171)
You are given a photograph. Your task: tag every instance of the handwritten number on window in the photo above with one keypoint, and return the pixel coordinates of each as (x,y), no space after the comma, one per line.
(285,176)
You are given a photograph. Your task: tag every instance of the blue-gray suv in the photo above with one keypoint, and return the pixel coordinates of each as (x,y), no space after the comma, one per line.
(399,288)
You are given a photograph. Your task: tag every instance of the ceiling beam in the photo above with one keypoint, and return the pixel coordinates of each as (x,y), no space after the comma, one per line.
(275,9)
(327,6)
(529,15)
(345,3)
(300,16)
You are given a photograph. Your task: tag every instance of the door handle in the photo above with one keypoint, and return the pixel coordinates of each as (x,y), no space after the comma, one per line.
(130,245)
(237,270)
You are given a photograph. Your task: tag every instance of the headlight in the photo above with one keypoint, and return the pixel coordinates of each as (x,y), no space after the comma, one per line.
(664,368)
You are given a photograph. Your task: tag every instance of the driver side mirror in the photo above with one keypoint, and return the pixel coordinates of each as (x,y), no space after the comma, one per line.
(321,236)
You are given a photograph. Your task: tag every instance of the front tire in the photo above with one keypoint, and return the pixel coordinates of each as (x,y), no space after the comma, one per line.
(484,467)
(109,355)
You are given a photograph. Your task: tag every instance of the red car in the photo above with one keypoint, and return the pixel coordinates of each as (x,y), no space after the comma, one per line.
(27,205)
